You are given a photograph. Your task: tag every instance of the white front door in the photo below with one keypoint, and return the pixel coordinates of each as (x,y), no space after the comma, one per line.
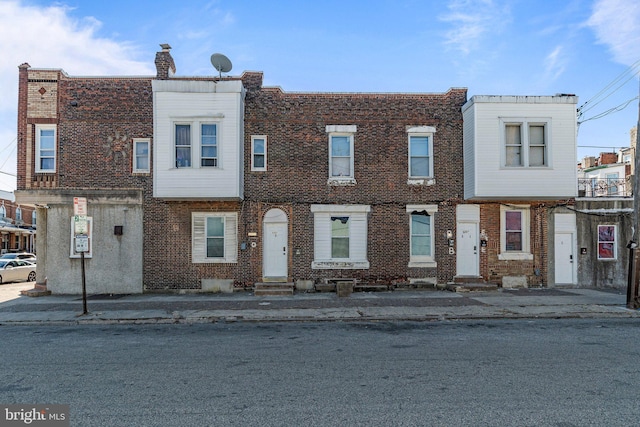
(564,258)
(275,249)
(467,261)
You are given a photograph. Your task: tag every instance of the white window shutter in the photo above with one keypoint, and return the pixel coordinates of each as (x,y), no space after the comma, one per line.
(358,243)
(198,246)
(322,236)
(231,238)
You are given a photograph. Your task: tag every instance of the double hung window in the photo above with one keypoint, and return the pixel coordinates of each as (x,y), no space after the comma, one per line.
(607,248)
(45,148)
(341,154)
(259,153)
(141,155)
(421,226)
(526,143)
(514,233)
(214,237)
(196,143)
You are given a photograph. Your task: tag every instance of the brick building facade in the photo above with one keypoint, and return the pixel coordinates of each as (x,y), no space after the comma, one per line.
(275,186)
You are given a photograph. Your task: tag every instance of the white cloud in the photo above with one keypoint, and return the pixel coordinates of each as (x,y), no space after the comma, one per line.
(471,21)
(555,64)
(47,37)
(616,24)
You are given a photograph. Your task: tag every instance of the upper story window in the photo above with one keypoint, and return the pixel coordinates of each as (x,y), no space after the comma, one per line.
(209,145)
(3,211)
(341,160)
(526,142)
(421,151)
(141,155)
(259,153)
(183,146)
(199,140)
(18,214)
(45,148)
(34,216)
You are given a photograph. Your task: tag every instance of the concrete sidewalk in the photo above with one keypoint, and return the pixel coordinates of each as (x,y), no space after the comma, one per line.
(422,305)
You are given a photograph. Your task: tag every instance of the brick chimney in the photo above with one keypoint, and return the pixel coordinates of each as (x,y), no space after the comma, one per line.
(165,66)
(608,158)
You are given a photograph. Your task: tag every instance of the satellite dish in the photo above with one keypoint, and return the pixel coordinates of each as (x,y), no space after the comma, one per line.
(221,63)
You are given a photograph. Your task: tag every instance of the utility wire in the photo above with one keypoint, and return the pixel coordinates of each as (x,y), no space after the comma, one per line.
(627,74)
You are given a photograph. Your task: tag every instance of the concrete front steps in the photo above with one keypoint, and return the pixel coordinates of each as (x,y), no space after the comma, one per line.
(273,289)
(470,284)
(37,291)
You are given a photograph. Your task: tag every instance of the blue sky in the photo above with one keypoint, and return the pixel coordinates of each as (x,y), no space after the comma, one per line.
(590,48)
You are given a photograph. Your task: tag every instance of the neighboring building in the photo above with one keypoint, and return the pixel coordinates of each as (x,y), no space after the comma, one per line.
(17,225)
(520,175)
(604,212)
(203,183)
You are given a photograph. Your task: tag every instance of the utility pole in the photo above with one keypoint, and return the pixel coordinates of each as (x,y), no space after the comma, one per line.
(632,279)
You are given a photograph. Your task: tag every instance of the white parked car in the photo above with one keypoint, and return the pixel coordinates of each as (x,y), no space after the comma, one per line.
(17,270)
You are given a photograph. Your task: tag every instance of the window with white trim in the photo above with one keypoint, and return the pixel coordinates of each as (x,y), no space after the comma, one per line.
(607,247)
(141,155)
(208,144)
(420,151)
(214,237)
(18,213)
(45,148)
(259,153)
(514,233)
(196,143)
(421,243)
(341,158)
(526,142)
(340,236)
(34,216)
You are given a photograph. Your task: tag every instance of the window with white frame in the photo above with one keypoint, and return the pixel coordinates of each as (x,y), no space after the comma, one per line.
(18,213)
(3,211)
(183,145)
(141,155)
(209,144)
(340,236)
(341,160)
(514,233)
(421,244)
(259,153)
(34,216)
(607,248)
(421,151)
(526,142)
(196,144)
(214,237)
(45,148)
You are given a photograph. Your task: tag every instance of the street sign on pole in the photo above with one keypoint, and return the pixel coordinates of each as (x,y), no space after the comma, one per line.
(81,225)
(80,206)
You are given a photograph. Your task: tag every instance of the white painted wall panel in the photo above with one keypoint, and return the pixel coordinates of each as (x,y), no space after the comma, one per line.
(492,180)
(194,102)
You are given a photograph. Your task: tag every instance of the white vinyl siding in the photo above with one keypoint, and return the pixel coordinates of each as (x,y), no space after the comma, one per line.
(485,147)
(45,148)
(197,103)
(214,237)
(340,236)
